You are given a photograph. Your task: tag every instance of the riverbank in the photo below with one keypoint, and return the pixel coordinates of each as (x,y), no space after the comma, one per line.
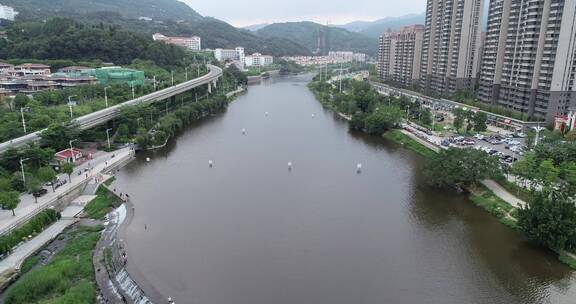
(488,194)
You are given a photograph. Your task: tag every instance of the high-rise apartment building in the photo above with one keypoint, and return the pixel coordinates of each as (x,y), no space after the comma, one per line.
(399,55)
(529,61)
(451,45)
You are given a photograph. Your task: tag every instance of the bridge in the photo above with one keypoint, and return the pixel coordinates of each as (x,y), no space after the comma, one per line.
(99,117)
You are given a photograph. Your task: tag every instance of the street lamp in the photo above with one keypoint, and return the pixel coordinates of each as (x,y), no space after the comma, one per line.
(186,69)
(72,150)
(70,104)
(23,119)
(108,137)
(106,95)
(538,129)
(22,168)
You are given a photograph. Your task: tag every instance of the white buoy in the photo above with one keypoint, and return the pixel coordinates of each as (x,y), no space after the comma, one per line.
(243,131)
(210,163)
(313,115)
(266,113)
(289,165)
(147,159)
(359,167)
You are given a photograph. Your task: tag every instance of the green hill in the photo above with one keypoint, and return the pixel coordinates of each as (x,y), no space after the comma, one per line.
(307,34)
(155,9)
(170,17)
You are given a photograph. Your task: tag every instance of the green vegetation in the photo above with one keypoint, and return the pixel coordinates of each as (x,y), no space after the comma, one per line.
(104,202)
(408,142)
(68,278)
(567,259)
(36,225)
(29,263)
(9,200)
(550,219)
(487,200)
(469,99)
(462,167)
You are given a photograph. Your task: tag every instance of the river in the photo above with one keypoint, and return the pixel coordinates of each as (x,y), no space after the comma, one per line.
(250,231)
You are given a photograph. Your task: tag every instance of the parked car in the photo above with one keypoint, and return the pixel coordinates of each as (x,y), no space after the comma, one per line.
(40,192)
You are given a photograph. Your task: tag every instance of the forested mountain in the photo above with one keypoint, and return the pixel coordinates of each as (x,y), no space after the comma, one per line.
(170,17)
(155,9)
(376,28)
(309,34)
(65,39)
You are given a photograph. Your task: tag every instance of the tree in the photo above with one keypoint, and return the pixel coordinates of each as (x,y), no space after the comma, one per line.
(550,219)
(383,119)
(525,168)
(68,168)
(47,175)
(547,173)
(10,200)
(462,167)
(20,101)
(357,121)
(58,136)
(33,185)
(480,122)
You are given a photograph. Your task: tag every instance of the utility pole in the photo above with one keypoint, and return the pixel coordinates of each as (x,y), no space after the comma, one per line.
(106,95)
(172,72)
(22,168)
(72,150)
(23,120)
(154,82)
(538,129)
(108,137)
(340,77)
(132,86)
(70,105)
(186,69)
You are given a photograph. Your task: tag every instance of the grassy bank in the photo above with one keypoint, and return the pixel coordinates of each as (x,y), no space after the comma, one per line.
(487,200)
(68,278)
(408,142)
(104,202)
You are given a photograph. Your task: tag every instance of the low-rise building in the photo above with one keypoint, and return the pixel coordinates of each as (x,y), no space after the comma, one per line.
(193,43)
(226,54)
(257,60)
(7,12)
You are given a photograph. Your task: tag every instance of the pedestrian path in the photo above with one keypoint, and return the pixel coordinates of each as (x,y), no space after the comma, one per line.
(11,264)
(503,194)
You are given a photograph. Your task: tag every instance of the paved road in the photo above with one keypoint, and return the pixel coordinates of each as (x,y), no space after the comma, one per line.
(504,194)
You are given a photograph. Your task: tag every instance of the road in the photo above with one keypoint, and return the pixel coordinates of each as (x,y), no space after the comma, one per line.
(104,115)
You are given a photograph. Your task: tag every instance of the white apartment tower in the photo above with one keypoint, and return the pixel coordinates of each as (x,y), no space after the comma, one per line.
(399,55)
(529,62)
(452,39)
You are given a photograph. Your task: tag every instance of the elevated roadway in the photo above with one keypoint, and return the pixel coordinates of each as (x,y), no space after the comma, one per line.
(99,117)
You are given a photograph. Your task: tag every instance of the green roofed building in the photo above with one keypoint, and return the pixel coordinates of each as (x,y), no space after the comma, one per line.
(119,75)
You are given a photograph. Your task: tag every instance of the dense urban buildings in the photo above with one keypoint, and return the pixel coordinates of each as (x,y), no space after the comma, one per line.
(227,54)
(529,61)
(451,45)
(193,43)
(399,55)
(331,58)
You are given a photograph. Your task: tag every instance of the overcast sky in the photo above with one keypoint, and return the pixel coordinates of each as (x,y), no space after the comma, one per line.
(247,12)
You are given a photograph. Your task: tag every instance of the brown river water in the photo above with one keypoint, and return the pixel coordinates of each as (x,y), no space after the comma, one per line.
(250,231)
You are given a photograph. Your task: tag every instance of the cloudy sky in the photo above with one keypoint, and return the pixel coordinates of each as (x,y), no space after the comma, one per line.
(247,12)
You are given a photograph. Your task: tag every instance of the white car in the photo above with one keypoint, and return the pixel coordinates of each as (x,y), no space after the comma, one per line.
(479,136)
